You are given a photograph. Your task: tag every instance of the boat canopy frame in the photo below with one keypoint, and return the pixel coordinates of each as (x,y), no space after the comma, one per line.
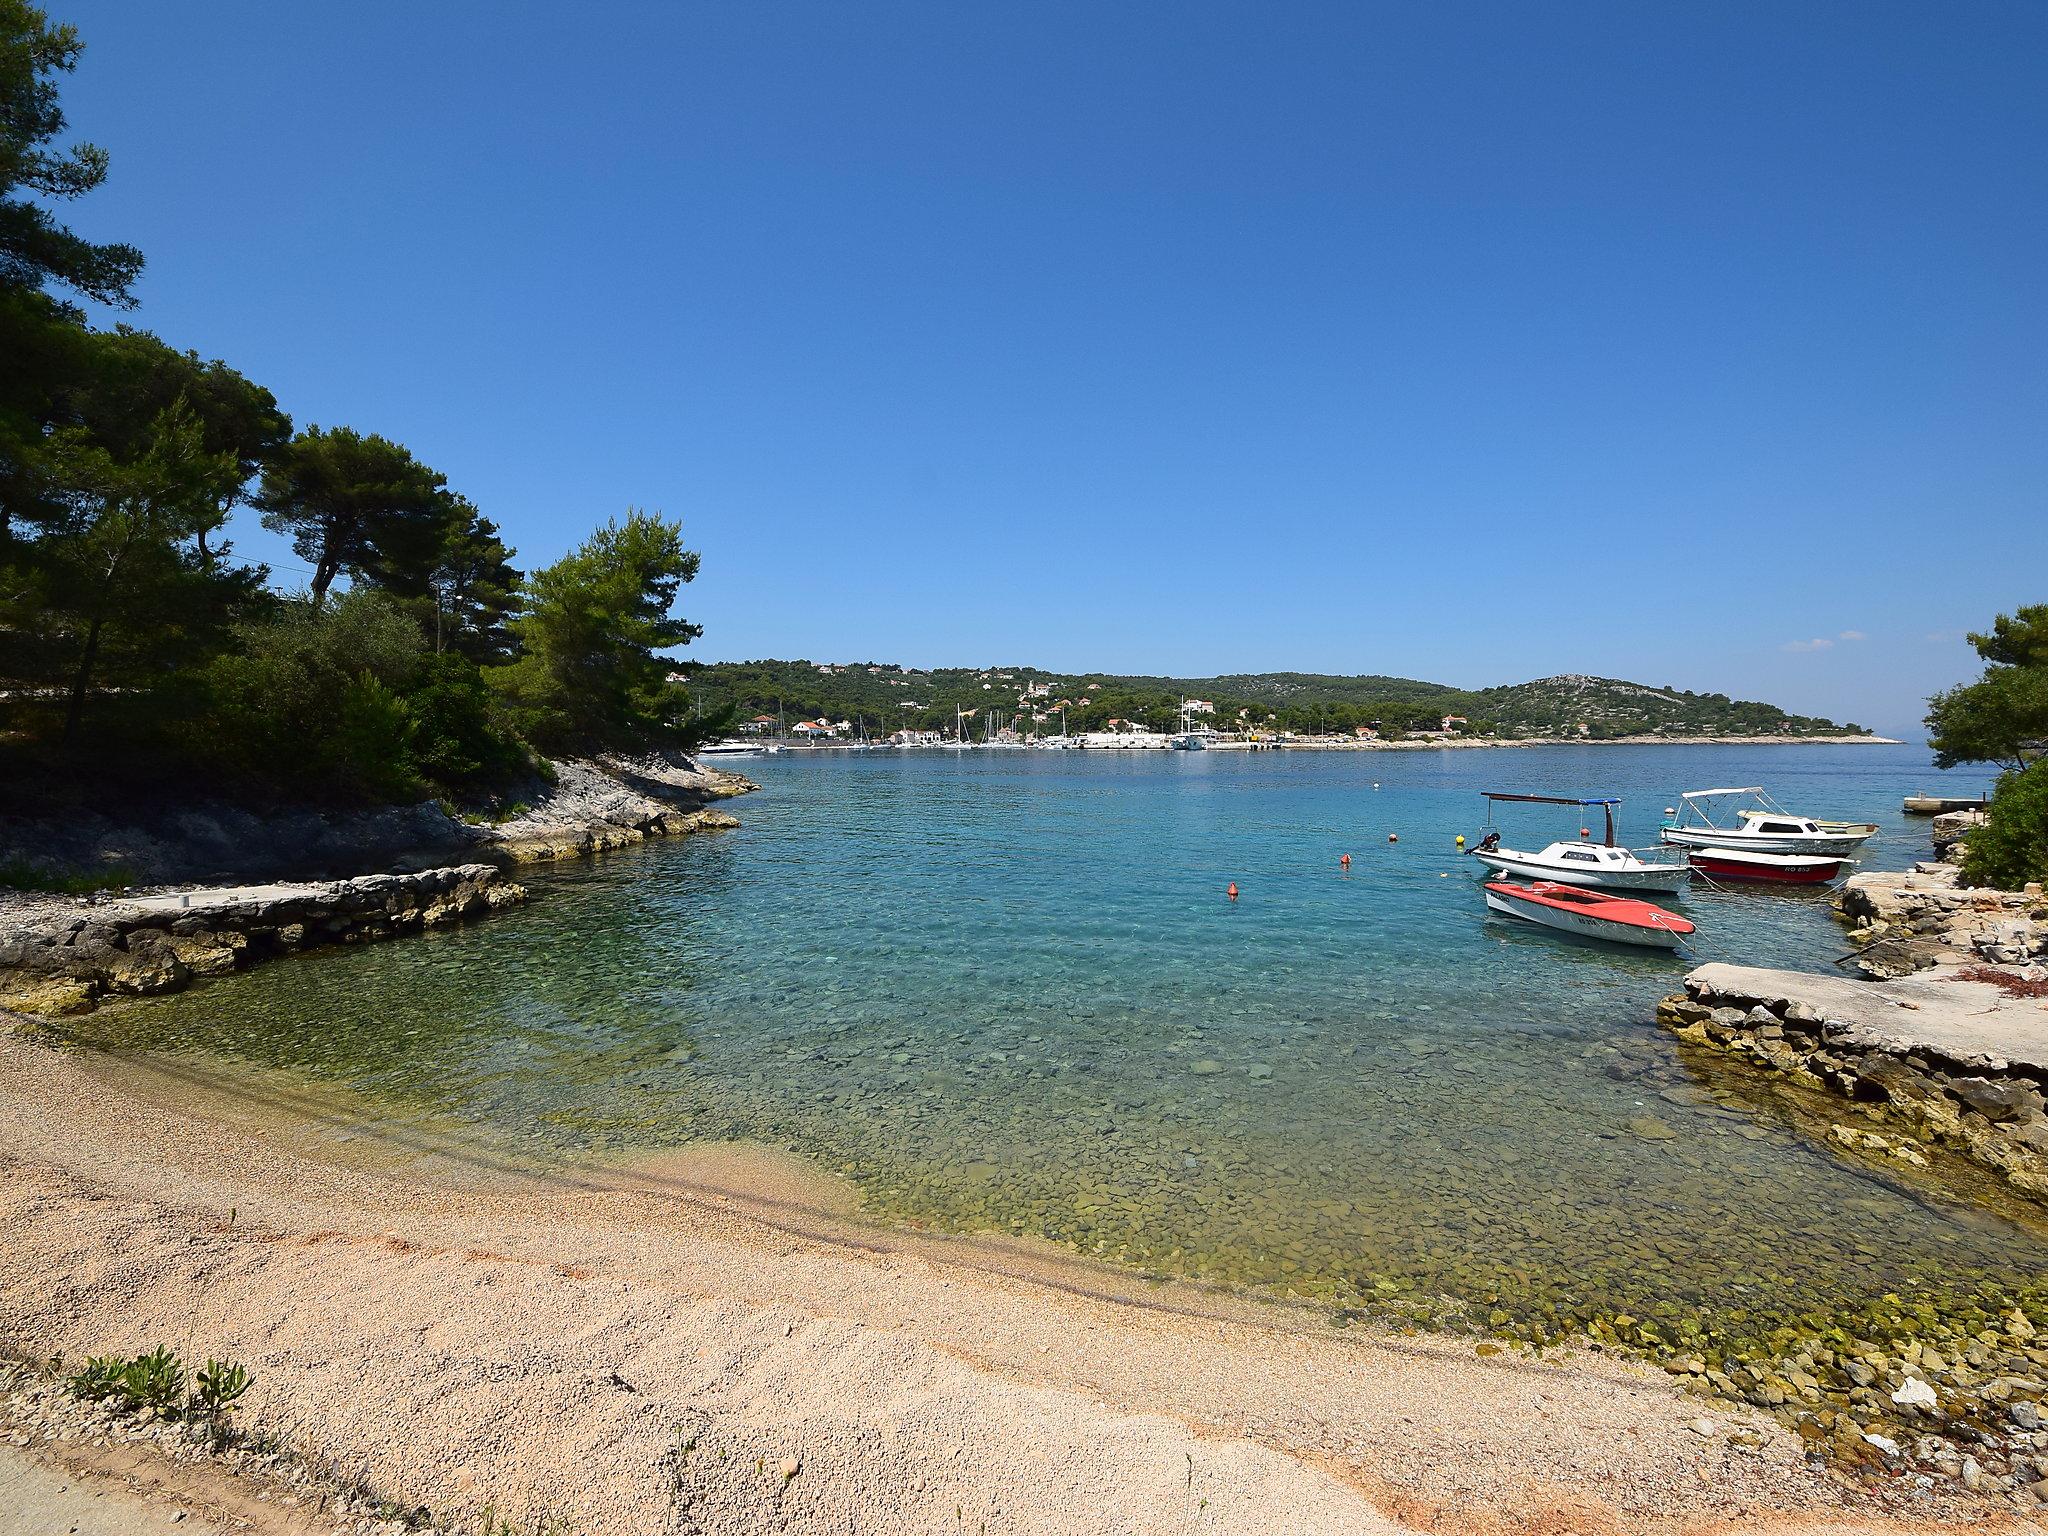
(1607,805)
(1765,804)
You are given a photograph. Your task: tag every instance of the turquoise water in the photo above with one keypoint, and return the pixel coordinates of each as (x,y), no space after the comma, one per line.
(1005,991)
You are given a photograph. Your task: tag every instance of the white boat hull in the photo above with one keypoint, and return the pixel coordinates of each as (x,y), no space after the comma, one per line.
(1840,845)
(1582,923)
(1647,877)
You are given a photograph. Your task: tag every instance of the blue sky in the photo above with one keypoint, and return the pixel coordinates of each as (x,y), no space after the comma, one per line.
(1699,344)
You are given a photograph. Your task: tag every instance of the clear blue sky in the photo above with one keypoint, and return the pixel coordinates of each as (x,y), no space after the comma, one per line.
(1700,344)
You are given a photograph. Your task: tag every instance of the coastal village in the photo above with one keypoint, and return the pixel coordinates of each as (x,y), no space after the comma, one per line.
(881,705)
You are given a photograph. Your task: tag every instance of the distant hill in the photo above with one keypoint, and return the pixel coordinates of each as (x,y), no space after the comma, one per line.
(885,696)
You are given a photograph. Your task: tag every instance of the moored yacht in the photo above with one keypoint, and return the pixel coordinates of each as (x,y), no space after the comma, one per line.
(720,751)
(1604,865)
(1762,827)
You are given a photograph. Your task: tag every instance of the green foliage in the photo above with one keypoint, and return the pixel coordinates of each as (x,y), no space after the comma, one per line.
(370,750)
(590,678)
(360,505)
(2002,717)
(35,250)
(155,1380)
(345,702)
(2011,847)
(134,649)
(883,695)
(462,736)
(123,580)
(473,589)
(17,875)
(2017,640)
(220,1384)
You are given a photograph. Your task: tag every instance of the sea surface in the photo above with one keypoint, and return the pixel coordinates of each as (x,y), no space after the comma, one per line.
(1005,991)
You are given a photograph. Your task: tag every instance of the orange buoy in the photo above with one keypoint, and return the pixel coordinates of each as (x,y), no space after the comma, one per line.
(1231,890)
(1345,861)
(1585,831)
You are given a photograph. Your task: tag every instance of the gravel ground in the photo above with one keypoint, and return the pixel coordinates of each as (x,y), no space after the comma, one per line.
(704,1346)
(75,1468)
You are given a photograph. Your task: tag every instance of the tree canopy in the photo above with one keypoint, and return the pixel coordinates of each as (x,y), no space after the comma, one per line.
(36,251)
(594,622)
(357,504)
(133,642)
(2001,718)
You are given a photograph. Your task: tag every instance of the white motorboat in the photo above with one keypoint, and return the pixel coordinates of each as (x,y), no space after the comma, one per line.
(1762,827)
(1590,914)
(1602,865)
(725,751)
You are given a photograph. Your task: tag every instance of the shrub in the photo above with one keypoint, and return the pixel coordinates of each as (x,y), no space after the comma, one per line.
(2011,847)
(155,1380)
(344,702)
(303,704)
(462,736)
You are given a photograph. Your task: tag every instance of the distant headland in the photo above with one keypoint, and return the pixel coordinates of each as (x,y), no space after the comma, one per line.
(881,700)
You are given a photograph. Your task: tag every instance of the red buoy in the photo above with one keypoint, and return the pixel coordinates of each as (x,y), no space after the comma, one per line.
(1231,890)
(1345,861)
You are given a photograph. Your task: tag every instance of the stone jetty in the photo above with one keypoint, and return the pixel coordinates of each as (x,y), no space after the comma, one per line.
(66,960)
(1931,1058)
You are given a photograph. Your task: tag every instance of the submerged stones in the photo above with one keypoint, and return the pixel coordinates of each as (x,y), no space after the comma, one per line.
(1990,1109)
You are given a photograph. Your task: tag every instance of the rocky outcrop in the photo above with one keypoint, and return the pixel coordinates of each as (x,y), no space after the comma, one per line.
(1951,827)
(65,962)
(581,807)
(1937,1059)
(1902,921)
(594,807)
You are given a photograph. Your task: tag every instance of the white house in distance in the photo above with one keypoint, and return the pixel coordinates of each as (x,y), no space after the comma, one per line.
(1453,723)
(1199,706)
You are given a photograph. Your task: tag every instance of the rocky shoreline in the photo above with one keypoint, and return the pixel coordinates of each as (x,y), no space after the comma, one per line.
(63,956)
(1941,1047)
(65,963)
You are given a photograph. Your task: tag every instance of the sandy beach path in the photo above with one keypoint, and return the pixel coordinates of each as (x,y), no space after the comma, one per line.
(707,1345)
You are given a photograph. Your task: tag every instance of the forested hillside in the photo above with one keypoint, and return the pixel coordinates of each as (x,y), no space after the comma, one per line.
(883,696)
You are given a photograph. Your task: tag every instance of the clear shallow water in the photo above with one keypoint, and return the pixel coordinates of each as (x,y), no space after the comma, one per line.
(1005,992)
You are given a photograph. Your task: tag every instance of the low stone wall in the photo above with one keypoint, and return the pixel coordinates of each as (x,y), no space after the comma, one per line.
(1919,1058)
(63,964)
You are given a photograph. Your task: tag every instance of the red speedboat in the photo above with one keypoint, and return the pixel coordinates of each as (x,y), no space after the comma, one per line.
(1753,864)
(1591,914)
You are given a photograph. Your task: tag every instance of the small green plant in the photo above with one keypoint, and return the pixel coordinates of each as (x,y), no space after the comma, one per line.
(99,1378)
(220,1385)
(155,1380)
